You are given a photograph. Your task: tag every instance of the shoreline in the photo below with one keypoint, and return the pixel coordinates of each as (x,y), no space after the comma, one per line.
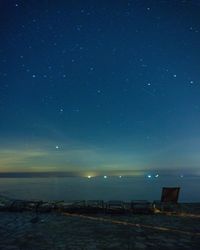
(83,227)
(98,206)
(61,231)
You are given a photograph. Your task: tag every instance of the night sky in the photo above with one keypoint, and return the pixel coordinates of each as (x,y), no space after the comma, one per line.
(100,86)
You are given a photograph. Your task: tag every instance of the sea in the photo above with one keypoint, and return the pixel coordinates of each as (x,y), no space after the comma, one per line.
(110,188)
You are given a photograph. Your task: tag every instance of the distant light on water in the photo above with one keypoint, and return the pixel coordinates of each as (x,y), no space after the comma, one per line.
(149,176)
(120,176)
(89,176)
(105,177)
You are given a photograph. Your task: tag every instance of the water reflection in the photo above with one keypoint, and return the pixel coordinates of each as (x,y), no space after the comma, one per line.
(126,188)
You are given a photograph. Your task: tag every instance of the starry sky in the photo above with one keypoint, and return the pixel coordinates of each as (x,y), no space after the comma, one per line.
(100,86)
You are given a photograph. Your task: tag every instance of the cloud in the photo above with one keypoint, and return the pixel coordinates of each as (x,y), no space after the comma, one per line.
(16,159)
(43,156)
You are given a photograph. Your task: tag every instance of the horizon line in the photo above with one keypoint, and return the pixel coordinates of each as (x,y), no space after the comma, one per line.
(111,173)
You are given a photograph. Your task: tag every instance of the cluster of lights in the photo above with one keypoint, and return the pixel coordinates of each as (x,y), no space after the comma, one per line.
(150,176)
(105,176)
(89,177)
(157,175)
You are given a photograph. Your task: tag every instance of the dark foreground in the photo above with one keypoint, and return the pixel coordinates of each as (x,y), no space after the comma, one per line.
(72,231)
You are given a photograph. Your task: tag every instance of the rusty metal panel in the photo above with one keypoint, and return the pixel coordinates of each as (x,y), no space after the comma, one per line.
(170,194)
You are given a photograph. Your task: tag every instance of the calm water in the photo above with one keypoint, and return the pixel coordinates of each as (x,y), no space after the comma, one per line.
(125,188)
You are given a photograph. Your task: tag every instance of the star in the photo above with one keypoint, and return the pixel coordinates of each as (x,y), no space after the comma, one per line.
(106,91)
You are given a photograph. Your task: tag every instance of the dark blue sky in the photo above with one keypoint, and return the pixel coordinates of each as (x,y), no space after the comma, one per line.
(99,86)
